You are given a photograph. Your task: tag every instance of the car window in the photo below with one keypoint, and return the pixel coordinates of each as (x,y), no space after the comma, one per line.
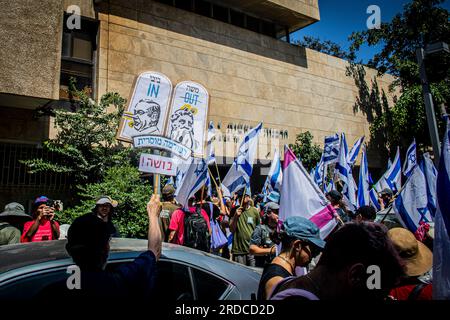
(31,285)
(207,286)
(173,282)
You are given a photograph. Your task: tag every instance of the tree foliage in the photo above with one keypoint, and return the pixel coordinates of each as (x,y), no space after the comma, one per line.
(123,184)
(306,150)
(326,46)
(421,23)
(85,145)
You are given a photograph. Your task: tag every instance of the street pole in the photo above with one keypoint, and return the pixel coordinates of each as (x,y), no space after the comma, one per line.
(429,106)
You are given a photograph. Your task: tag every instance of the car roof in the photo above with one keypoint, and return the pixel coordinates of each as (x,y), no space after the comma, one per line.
(24,254)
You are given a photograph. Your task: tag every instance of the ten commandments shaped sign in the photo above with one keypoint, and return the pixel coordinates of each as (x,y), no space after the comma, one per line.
(147,109)
(188,115)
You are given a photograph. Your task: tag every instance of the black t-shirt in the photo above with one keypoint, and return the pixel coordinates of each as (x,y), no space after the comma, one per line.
(270,270)
(130,280)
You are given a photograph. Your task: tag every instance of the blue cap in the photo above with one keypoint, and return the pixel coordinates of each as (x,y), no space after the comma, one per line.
(274,196)
(303,229)
(41,199)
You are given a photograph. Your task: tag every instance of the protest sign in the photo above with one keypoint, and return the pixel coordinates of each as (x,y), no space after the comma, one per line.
(157,142)
(155,164)
(188,116)
(147,108)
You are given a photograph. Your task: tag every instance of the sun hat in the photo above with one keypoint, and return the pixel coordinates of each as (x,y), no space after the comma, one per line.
(14,209)
(417,256)
(106,199)
(303,229)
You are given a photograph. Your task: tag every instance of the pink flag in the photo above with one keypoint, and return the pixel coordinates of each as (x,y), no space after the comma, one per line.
(300,196)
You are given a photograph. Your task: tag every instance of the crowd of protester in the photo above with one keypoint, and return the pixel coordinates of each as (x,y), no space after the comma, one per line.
(296,263)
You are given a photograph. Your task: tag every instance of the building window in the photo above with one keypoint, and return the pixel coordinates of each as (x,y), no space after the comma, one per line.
(78,55)
(253,23)
(228,15)
(184,4)
(220,13)
(237,18)
(203,8)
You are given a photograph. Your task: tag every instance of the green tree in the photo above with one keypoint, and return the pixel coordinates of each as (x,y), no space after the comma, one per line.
(85,144)
(325,46)
(421,23)
(124,184)
(306,150)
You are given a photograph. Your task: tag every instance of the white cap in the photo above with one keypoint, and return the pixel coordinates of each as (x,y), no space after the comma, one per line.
(105,199)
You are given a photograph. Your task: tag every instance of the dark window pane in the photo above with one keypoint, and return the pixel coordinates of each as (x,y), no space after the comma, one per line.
(253,23)
(237,18)
(82,49)
(203,7)
(208,287)
(66,45)
(173,282)
(30,286)
(168,2)
(220,13)
(184,4)
(268,28)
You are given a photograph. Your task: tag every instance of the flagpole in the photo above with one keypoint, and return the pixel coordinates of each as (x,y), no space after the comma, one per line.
(218,174)
(219,191)
(243,196)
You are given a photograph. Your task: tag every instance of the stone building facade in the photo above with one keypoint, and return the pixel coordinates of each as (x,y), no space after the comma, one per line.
(239,50)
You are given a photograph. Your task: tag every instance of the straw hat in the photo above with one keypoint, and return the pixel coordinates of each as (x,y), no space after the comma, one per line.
(418,258)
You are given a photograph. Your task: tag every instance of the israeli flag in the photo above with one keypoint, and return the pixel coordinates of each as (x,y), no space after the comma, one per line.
(319,172)
(208,186)
(412,203)
(364,184)
(241,170)
(392,177)
(354,151)
(195,178)
(411,159)
(441,243)
(431,176)
(171,182)
(373,195)
(210,152)
(344,173)
(331,149)
(275,176)
(182,168)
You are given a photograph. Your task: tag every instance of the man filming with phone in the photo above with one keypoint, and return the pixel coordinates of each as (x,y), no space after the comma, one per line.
(43,227)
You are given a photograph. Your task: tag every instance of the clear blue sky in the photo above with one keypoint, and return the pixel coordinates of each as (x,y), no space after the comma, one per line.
(339,18)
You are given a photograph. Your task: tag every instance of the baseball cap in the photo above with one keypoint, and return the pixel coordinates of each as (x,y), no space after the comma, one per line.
(168,190)
(106,199)
(387,191)
(270,206)
(274,196)
(303,229)
(41,199)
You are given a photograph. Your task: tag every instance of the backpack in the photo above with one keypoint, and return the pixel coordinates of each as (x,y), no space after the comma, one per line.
(196,233)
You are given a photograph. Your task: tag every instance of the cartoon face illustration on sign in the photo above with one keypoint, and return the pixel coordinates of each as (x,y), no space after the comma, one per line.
(182,128)
(146,116)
